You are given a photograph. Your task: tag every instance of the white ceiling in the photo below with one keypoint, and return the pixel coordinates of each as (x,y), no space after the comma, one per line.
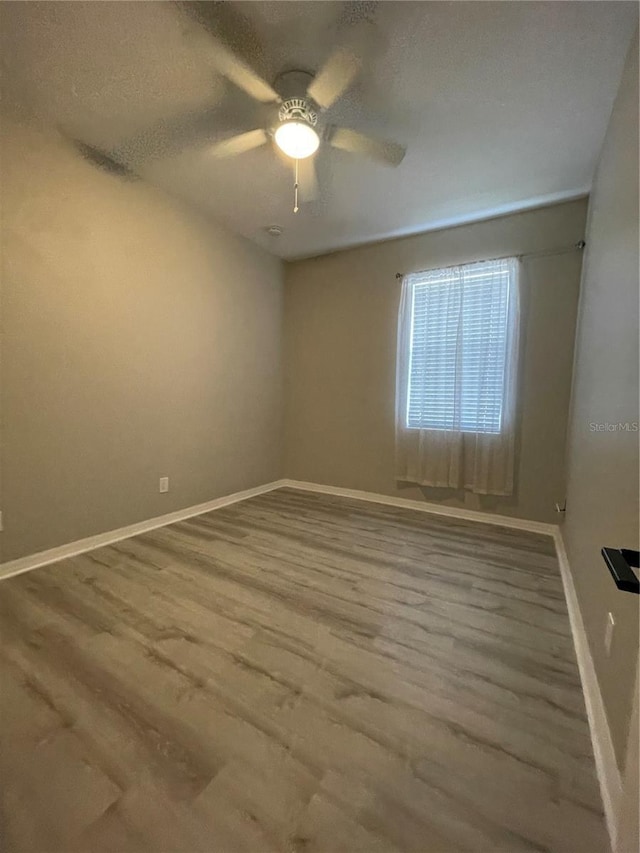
(502,105)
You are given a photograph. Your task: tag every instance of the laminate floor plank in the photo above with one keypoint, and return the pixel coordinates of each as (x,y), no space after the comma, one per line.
(297,673)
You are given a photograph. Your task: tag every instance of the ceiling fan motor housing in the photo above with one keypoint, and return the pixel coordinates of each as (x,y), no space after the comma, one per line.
(295,104)
(298,109)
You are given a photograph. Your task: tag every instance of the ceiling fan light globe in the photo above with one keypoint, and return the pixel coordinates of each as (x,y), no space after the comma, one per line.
(297,139)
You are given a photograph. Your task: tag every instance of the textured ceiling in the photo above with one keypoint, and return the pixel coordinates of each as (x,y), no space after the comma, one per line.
(501,105)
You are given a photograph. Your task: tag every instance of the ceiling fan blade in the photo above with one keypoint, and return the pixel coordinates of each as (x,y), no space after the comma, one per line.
(389,153)
(335,77)
(239,144)
(195,129)
(205,21)
(308,179)
(227,63)
(358,40)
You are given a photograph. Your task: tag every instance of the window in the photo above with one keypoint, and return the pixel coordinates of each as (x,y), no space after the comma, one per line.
(459,333)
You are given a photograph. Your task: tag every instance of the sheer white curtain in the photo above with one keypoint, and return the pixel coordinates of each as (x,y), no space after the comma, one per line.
(456,379)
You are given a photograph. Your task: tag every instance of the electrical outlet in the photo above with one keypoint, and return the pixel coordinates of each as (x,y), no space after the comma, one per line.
(164,484)
(608,633)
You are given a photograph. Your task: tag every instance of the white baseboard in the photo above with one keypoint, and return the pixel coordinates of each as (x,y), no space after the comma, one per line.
(424,506)
(604,753)
(81,546)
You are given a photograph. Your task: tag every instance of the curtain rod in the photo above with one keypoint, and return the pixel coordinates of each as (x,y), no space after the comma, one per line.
(575,247)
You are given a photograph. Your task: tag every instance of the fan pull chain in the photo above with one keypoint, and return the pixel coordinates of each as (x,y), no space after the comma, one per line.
(295,190)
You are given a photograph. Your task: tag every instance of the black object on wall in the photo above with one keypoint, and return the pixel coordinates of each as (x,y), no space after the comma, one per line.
(621,562)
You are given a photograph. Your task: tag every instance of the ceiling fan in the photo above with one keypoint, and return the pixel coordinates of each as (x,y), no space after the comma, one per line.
(295,105)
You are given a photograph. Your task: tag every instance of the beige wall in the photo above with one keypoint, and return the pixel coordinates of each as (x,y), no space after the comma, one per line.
(340,350)
(602,499)
(138,341)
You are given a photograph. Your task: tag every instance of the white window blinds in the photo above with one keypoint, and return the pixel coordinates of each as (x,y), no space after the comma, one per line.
(458,346)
